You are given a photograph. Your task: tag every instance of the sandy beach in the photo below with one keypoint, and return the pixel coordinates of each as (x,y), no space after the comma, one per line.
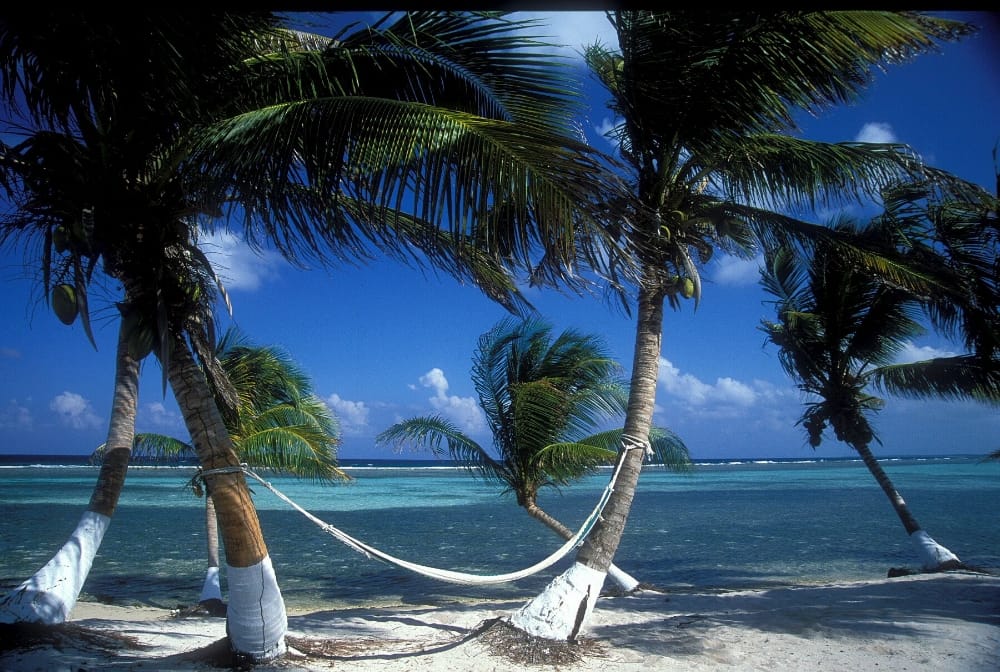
(921,622)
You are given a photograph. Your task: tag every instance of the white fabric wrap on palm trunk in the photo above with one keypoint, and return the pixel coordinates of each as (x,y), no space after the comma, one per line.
(255,617)
(49,596)
(931,553)
(211,589)
(565,603)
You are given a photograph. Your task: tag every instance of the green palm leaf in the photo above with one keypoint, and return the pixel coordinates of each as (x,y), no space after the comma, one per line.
(444,437)
(952,378)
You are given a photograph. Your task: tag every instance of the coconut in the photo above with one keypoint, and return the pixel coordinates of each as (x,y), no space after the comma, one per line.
(64,303)
(687,288)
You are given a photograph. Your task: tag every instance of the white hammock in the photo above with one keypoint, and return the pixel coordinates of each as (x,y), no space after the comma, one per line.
(445,574)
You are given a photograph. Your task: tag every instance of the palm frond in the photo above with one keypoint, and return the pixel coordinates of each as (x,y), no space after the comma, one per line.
(710,76)
(668,448)
(962,377)
(444,167)
(807,174)
(149,448)
(565,462)
(293,449)
(494,66)
(441,436)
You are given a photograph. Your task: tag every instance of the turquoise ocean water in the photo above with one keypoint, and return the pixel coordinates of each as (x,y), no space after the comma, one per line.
(726,525)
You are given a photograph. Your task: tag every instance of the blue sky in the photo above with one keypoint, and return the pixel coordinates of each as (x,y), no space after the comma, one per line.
(384,342)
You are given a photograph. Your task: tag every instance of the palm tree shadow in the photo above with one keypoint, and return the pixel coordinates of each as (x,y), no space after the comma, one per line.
(856,611)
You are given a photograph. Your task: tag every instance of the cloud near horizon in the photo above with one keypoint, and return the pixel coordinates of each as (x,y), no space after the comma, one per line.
(726,397)
(75,411)
(352,415)
(15,415)
(464,411)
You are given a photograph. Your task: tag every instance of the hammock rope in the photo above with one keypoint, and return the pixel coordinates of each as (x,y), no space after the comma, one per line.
(446,575)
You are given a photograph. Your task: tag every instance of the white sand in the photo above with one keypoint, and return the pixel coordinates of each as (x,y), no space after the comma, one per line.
(948,622)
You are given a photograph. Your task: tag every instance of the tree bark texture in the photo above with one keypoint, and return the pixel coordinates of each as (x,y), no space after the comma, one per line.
(121,431)
(237,516)
(601,544)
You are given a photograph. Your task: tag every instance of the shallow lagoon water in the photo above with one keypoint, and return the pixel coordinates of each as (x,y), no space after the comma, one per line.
(724,526)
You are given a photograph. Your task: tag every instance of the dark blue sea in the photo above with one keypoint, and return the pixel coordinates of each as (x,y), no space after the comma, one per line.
(726,525)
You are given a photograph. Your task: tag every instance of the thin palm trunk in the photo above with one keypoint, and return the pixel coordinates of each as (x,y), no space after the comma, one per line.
(625,581)
(256,618)
(933,556)
(561,610)
(51,593)
(211,590)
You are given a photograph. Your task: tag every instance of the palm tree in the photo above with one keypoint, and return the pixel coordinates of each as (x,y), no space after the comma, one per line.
(839,330)
(543,398)
(279,425)
(388,140)
(51,593)
(704,101)
(71,162)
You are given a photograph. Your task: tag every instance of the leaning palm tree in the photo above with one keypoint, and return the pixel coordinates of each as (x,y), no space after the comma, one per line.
(705,101)
(839,331)
(52,591)
(543,398)
(388,140)
(279,425)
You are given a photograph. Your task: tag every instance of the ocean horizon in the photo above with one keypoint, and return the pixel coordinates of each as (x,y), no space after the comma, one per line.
(729,524)
(81,460)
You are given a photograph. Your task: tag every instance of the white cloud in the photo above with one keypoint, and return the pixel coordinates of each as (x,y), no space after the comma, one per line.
(726,391)
(877,132)
(734,271)
(237,265)
(606,126)
(464,411)
(573,30)
(353,415)
(75,411)
(158,415)
(435,379)
(685,403)
(15,416)
(917,353)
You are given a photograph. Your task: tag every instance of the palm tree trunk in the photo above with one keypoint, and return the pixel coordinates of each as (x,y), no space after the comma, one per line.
(625,581)
(51,593)
(256,618)
(562,609)
(933,556)
(211,590)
